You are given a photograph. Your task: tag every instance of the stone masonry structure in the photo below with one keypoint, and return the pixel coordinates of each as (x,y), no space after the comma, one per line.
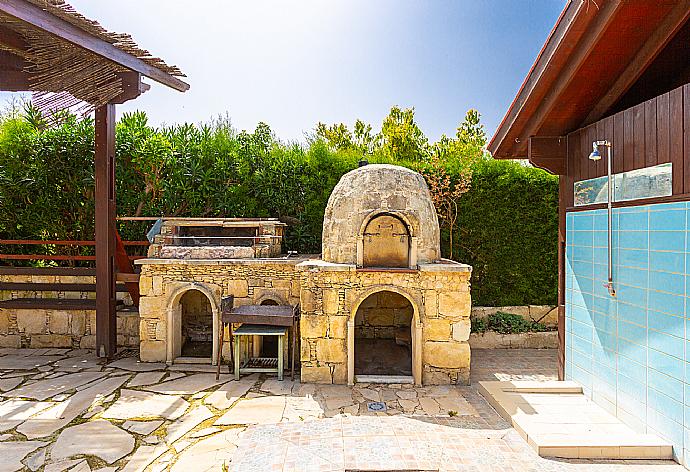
(59,328)
(380,235)
(333,288)
(164,281)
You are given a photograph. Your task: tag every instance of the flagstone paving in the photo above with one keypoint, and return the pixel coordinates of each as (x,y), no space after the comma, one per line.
(98,438)
(64,409)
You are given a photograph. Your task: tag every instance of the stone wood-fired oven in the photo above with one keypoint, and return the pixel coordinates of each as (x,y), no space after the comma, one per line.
(379,305)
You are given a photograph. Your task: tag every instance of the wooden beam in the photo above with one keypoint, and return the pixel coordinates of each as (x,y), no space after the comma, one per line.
(12,40)
(13,78)
(104,160)
(673,21)
(14,81)
(132,87)
(548,153)
(11,61)
(123,277)
(562,231)
(41,19)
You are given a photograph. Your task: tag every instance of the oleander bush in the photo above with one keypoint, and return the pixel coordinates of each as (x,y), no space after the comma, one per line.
(506,224)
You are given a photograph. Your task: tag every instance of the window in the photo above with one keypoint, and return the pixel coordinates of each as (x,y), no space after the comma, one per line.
(632,185)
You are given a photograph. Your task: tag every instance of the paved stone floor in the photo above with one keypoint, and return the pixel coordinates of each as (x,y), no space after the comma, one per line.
(65,410)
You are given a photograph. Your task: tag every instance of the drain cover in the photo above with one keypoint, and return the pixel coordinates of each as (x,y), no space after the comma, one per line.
(376,406)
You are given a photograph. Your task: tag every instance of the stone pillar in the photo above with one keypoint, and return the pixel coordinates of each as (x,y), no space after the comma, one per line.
(351,351)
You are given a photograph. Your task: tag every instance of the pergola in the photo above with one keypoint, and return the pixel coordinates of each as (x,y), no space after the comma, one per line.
(69,61)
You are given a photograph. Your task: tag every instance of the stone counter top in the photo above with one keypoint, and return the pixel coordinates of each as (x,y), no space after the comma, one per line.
(444,265)
(216,262)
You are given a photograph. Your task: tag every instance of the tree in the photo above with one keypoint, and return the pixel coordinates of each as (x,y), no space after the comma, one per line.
(401,137)
(338,136)
(445,193)
(458,156)
(471,131)
(364,139)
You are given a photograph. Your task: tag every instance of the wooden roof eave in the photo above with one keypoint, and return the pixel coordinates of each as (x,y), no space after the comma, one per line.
(43,20)
(568,51)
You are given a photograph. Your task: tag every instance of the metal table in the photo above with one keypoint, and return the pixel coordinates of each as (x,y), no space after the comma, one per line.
(261,364)
(285,316)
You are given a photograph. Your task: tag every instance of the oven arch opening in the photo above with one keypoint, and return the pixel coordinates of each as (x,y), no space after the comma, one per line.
(386,242)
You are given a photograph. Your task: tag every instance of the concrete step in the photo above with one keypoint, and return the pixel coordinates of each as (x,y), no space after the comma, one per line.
(557,420)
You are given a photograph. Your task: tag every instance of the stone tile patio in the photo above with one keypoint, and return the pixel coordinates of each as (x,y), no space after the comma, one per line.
(64,410)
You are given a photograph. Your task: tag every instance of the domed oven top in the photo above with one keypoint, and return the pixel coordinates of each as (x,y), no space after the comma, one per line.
(381,215)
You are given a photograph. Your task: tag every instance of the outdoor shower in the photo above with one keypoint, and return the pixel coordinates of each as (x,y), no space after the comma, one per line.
(596,156)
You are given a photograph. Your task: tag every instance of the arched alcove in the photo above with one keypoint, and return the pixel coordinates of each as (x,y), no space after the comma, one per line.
(196,324)
(192,323)
(383,335)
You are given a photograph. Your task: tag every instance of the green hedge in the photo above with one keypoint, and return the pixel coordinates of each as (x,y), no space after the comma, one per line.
(508,233)
(507,224)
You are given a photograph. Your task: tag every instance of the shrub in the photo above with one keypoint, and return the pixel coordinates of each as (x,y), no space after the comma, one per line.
(507,323)
(508,228)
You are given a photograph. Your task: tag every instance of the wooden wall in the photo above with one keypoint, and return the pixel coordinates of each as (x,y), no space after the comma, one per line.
(654,132)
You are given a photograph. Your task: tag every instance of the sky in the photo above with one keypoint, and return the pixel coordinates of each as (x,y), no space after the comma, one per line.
(294,63)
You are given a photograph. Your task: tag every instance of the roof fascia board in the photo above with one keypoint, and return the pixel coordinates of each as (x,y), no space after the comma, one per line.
(585,46)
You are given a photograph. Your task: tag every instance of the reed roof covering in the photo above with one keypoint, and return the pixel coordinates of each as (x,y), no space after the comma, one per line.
(63,74)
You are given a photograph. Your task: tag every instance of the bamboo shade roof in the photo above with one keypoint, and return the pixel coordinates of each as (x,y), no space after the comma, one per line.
(63,75)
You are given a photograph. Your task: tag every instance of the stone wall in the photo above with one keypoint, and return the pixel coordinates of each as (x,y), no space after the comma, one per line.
(40,328)
(332,293)
(546,314)
(163,282)
(494,340)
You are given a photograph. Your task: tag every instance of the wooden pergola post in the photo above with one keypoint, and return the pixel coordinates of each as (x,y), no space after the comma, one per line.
(33,37)
(106,316)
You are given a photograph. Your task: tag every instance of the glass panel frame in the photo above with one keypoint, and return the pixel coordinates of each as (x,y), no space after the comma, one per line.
(649,182)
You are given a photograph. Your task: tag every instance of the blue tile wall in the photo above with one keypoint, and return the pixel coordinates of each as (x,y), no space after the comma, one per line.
(631,353)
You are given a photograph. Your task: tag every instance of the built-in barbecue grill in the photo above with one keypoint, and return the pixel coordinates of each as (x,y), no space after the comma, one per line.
(217,238)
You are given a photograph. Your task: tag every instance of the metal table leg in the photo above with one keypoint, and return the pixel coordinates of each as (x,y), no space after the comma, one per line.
(292,356)
(237,359)
(220,350)
(281,346)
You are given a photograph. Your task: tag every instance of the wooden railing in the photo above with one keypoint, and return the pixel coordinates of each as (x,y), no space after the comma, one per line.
(57,257)
(65,246)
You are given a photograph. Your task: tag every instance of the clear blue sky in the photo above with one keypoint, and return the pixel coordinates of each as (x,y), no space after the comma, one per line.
(294,63)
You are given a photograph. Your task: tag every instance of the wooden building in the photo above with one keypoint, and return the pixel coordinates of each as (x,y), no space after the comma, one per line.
(614,76)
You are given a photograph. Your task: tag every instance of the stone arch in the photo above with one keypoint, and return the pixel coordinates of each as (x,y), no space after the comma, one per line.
(409,220)
(174,318)
(415,328)
(271,296)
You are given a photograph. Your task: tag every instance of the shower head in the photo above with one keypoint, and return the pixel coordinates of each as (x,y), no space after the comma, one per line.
(595,155)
